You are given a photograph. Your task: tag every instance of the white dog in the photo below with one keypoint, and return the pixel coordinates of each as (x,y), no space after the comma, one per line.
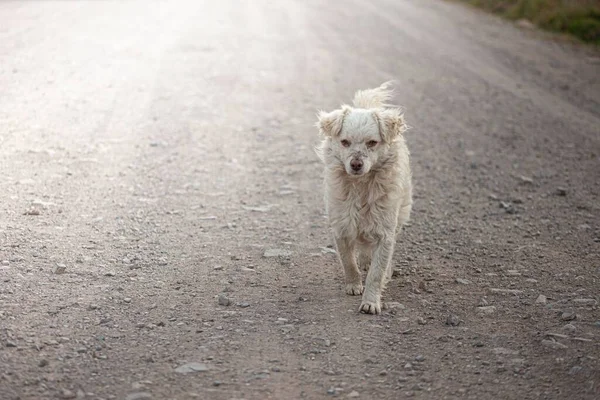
(368,189)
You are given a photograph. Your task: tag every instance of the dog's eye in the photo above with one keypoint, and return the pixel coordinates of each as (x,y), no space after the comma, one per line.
(371,143)
(345,143)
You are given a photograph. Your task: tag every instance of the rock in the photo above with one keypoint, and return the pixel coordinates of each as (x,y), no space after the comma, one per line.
(395,304)
(59,269)
(32,211)
(531,280)
(127,299)
(67,394)
(421,321)
(42,363)
(331,391)
(243,305)
(5,263)
(586,302)
(575,370)
(270,253)
(486,310)
(541,299)
(453,320)
(420,358)
(327,250)
(10,343)
(502,351)
(561,191)
(224,300)
(109,273)
(570,328)
(508,207)
(462,281)
(483,302)
(526,180)
(138,396)
(408,366)
(218,267)
(505,291)
(191,368)
(553,345)
(568,316)
(353,394)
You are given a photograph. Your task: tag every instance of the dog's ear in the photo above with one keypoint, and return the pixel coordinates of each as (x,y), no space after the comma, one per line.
(330,123)
(391,123)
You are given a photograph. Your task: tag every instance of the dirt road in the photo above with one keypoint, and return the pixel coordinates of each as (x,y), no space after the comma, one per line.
(154,155)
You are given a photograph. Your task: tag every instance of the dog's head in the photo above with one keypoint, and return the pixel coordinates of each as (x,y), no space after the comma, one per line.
(360,139)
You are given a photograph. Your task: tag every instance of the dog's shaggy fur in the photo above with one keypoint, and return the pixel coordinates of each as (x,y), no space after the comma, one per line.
(368,190)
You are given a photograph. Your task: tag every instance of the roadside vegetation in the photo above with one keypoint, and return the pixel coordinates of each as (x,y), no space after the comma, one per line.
(579,18)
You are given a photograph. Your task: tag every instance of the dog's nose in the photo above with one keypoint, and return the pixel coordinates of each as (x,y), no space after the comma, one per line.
(356,165)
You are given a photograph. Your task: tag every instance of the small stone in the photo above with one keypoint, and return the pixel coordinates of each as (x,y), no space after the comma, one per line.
(81,350)
(109,273)
(585,302)
(394,304)
(568,316)
(353,394)
(218,267)
(553,345)
(43,362)
(191,367)
(127,299)
(569,328)
(421,321)
(270,253)
(420,358)
(560,191)
(216,383)
(483,302)
(134,266)
(67,394)
(575,370)
(453,320)
(10,343)
(541,299)
(462,281)
(59,269)
(526,180)
(505,291)
(138,396)
(243,305)
(224,300)
(331,391)
(408,366)
(5,263)
(486,310)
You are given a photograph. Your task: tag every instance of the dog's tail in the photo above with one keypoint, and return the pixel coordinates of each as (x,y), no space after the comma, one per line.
(374,98)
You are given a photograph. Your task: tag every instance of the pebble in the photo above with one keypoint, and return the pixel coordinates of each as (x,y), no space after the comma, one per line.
(331,391)
(560,191)
(243,305)
(408,366)
(224,300)
(462,281)
(191,367)
(421,321)
(218,267)
(138,396)
(486,309)
(505,291)
(453,320)
(526,179)
(541,299)
(127,299)
(109,273)
(353,394)
(270,253)
(59,269)
(67,394)
(420,358)
(5,263)
(568,316)
(553,345)
(569,328)
(394,304)
(43,362)
(575,370)
(585,302)
(483,302)
(10,343)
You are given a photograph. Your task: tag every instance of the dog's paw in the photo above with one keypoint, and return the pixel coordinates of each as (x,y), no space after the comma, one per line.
(354,289)
(368,307)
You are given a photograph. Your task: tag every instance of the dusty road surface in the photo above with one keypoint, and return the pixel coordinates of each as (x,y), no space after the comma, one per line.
(154,155)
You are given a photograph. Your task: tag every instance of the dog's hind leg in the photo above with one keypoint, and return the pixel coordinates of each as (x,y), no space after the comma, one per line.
(346,251)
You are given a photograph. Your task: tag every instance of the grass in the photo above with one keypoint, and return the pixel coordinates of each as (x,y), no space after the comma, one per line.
(578,18)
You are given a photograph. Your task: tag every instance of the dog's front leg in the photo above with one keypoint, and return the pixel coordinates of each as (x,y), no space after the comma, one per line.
(346,250)
(376,278)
